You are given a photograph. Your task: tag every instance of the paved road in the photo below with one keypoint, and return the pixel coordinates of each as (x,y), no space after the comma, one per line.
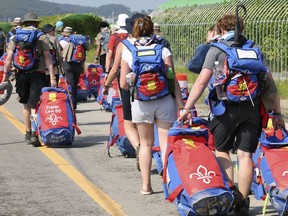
(77,181)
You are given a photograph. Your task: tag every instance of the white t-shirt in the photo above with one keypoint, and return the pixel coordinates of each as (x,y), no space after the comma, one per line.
(127,56)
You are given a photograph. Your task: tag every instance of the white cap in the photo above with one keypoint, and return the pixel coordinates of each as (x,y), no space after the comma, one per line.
(121,20)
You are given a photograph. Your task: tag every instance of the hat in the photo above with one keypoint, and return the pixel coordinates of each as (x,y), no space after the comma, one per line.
(48,28)
(217,107)
(130,22)
(67,31)
(17,21)
(121,20)
(114,28)
(30,17)
(59,26)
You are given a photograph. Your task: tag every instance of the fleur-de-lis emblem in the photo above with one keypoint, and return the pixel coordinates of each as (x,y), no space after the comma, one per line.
(204,174)
(189,142)
(53,119)
(93,82)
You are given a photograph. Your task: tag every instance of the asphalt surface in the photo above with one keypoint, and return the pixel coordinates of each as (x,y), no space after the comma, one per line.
(77,181)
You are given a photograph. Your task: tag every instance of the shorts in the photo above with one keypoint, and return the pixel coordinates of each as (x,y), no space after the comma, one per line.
(239,126)
(29,87)
(164,109)
(126,104)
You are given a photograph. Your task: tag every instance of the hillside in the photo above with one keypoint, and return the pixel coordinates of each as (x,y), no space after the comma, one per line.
(12,8)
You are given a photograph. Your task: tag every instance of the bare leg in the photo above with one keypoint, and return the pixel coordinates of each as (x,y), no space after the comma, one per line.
(26,112)
(226,164)
(163,128)
(245,174)
(132,133)
(146,135)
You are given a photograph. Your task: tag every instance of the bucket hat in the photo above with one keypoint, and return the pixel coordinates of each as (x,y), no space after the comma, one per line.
(121,20)
(47,28)
(30,17)
(17,21)
(67,31)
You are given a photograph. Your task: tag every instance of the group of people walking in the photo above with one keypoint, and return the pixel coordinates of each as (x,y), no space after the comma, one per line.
(137,47)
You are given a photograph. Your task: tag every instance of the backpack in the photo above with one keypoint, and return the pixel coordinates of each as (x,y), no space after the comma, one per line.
(104,40)
(242,68)
(52,52)
(270,169)
(92,74)
(56,120)
(117,133)
(150,75)
(192,177)
(25,55)
(79,48)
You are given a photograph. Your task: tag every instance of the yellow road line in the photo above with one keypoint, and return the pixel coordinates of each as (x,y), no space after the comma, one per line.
(108,204)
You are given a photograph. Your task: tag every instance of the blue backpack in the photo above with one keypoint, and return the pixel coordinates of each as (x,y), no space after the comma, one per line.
(56,120)
(25,55)
(147,64)
(242,68)
(79,48)
(192,177)
(117,133)
(270,180)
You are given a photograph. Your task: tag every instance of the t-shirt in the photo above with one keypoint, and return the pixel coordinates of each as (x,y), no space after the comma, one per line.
(121,33)
(127,55)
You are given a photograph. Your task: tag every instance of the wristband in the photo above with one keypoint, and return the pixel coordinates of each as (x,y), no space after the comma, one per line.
(185,109)
(96,58)
(106,87)
(53,78)
(278,115)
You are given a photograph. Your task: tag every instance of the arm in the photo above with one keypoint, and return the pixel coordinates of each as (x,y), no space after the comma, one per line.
(196,91)
(98,49)
(7,65)
(177,91)
(50,68)
(114,70)
(125,69)
(109,55)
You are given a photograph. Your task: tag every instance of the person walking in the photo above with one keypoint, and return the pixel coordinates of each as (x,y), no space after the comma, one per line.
(29,82)
(160,108)
(71,67)
(101,42)
(234,124)
(16,24)
(55,50)
(129,126)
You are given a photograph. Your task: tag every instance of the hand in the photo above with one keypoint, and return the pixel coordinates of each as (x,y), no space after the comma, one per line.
(5,77)
(105,91)
(96,61)
(278,122)
(185,116)
(53,83)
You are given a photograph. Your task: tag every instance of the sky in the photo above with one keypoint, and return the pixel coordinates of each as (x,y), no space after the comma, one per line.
(134,5)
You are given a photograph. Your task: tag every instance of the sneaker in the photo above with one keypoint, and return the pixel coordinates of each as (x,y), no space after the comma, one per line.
(242,209)
(28,137)
(35,140)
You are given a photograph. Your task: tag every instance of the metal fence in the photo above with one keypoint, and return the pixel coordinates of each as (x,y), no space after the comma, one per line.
(266,23)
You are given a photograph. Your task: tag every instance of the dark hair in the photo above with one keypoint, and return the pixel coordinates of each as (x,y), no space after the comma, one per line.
(143,27)
(228,21)
(103,24)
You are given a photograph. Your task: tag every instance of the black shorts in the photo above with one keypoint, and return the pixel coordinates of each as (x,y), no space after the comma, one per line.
(240,125)
(126,104)
(29,86)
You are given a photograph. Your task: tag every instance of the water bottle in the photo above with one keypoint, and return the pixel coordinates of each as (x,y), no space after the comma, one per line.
(130,78)
(171,77)
(219,77)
